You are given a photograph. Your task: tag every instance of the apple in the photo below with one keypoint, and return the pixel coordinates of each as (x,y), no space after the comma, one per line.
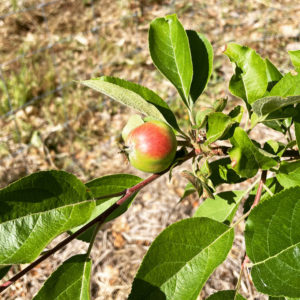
(151,147)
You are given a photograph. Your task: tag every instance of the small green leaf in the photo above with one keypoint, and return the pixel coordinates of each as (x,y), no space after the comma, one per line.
(225,295)
(70,281)
(218,126)
(295,58)
(195,181)
(181,259)
(133,122)
(202,58)
(289,174)
(170,52)
(273,244)
(273,74)
(247,157)
(250,80)
(37,208)
(220,104)
(222,208)
(188,190)
(134,96)
(236,114)
(103,186)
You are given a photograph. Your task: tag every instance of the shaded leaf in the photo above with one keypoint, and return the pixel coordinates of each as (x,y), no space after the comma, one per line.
(37,208)
(222,208)
(273,244)
(225,295)
(202,59)
(236,114)
(170,52)
(70,281)
(247,156)
(222,172)
(273,75)
(103,186)
(250,79)
(134,96)
(4,270)
(188,190)
(181,259)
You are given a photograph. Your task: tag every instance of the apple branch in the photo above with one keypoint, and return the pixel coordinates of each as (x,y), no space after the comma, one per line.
(98,220)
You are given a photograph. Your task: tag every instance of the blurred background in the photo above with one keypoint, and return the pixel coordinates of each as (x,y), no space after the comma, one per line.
(49,121)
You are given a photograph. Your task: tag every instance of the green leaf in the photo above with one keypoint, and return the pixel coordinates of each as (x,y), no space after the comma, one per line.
(201,117)
(222,172)
(195,181)
(288,85)
(220,104)
(133,122)
(226,295)
(188,190)
(236,114)
(134,96)
(70,281)
(247,156)
(218,125)
(170,52)
(295,58)
(273,244)
(202,58)
(37,208)
(181,259)
(103,186)
(222,208)
(250,80)
(289,174)
(273,75)
(266,107)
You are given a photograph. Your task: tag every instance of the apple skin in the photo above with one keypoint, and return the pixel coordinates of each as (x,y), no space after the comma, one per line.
(151,146)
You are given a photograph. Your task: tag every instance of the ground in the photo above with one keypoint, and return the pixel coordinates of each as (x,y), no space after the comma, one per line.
(48,121)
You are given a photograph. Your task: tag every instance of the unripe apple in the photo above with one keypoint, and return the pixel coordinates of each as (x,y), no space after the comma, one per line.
(151,147)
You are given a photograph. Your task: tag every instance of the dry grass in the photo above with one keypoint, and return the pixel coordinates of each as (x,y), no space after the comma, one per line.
(76,129)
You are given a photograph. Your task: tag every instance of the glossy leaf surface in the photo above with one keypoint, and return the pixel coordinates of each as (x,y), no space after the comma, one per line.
(37,208)
(181,259)
(273,244)
(170,52)
(70,281)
